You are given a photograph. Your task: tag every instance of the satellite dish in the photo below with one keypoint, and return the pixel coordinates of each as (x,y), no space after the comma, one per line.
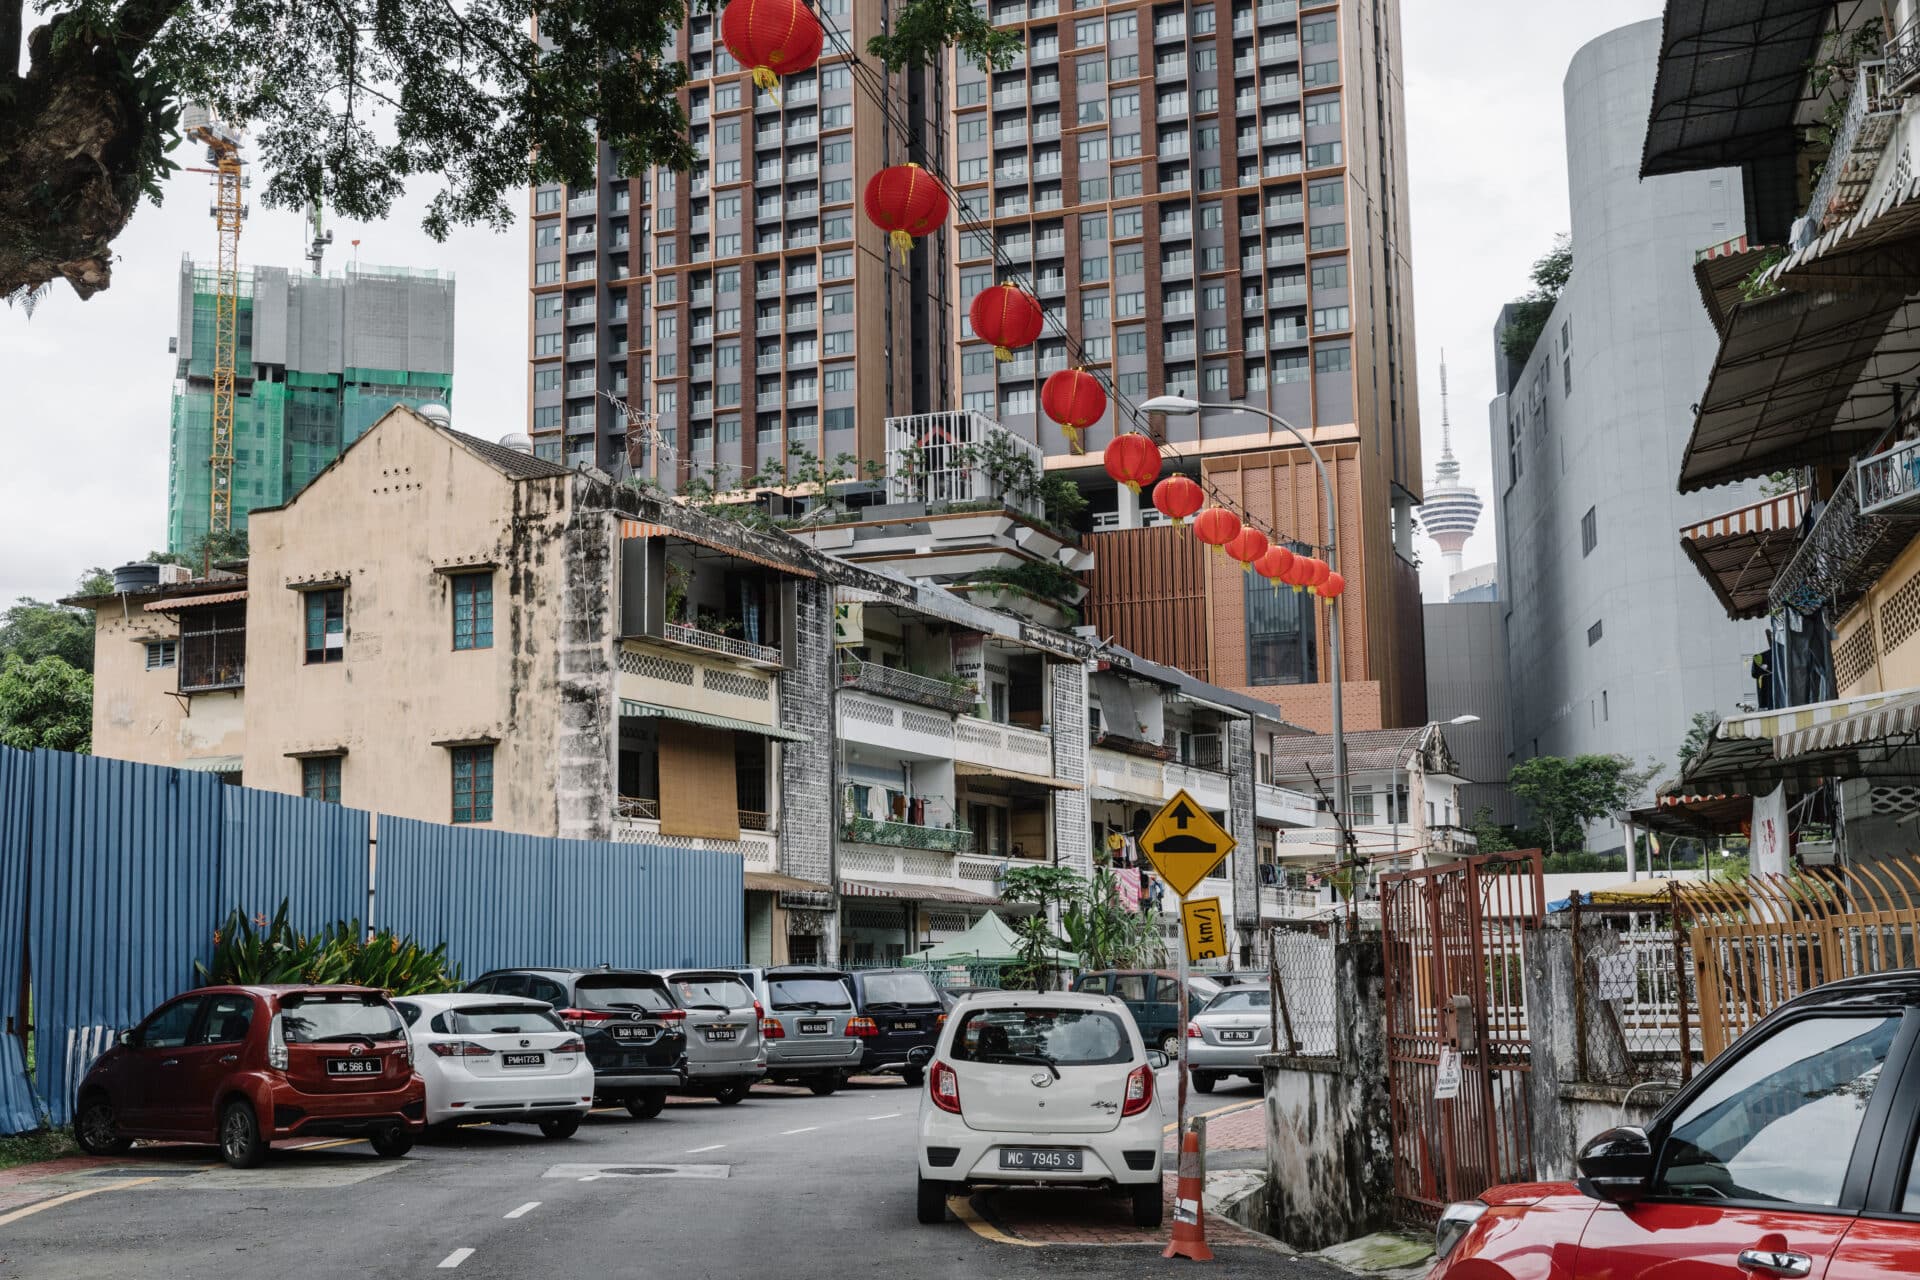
(517,441)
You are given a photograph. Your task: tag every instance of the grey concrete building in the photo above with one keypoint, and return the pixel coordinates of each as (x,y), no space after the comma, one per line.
(1613,639)
(1467,675)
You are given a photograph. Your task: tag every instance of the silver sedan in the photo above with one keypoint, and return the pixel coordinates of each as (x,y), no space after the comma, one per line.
(1228,1037)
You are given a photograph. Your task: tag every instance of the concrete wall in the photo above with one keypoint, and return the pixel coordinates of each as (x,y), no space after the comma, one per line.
(1467,675)
(1329,1150)
(402,507)
(1599,420)
(136,713)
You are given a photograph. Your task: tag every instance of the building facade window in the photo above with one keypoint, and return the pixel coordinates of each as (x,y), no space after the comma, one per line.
(1593,635)
(1281,636)
(161,655)
(473,784)
(1589,532)
(326,625)
(473,610)
(320,778)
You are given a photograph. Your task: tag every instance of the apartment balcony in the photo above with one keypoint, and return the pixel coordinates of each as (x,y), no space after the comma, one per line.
(906,835)
(583,204)
(662,672)
(906,731)
(1279,254)
(767,324)
(585,271)
(581,240)
(1272,51)
(583,314)
(907,868)
(767,400)
(620,241)
(580,386)
(769,364)
(758,850)
(987,742)
(1871,113)
(692,637)
(951,695)
(618,351)
(1277,903)
(1243,23)
(1284,806)
(619,387)
(767,287)
(701,298)
(1289,295)
(1015,97)
(1252,304)
(1861,531)
(1049,92)
(578,422)
(1903,58)
(1286,12)
(580,349)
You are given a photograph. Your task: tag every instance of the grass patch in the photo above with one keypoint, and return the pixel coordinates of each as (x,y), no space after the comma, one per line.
(41,1144)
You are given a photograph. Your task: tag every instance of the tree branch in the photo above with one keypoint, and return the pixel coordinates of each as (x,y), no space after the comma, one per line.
(139,21)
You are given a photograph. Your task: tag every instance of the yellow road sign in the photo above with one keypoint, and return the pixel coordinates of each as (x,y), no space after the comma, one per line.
(1183,843)
(1205,929)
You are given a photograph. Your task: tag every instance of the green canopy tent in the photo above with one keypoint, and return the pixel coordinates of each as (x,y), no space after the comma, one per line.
(988,942)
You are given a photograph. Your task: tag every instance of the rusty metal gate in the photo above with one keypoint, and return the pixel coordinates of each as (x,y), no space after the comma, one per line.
(1456,977)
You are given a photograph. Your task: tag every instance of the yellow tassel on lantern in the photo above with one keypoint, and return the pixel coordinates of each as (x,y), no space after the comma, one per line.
(1001,353)
(764,78)
(903,242)
(1073,437)
(1132,487)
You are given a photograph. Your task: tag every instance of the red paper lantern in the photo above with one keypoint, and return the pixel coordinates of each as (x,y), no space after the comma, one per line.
(1178,497)
(1007,316)
(1332,587)
(773,38)
(1298,572)
(1216,526)
(905,201)
(1274,563)
(1075,399)
(1247,547)
(1133,460)
(1317,572)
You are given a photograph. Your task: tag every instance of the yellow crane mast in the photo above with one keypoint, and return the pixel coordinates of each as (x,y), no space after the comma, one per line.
(223,153)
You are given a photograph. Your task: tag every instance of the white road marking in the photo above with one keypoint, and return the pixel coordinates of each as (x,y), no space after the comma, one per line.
(694,1151)
(891,1115)
(809,1129)
(454,1259)
(525,1209)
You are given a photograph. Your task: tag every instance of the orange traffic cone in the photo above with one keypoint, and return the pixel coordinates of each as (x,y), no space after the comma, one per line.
(1189,1208)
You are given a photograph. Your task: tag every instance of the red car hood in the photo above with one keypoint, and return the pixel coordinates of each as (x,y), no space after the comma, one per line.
(1521,1195)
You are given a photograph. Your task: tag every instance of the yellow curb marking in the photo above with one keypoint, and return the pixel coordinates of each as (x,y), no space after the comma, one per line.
(963,1209)
(69,1198)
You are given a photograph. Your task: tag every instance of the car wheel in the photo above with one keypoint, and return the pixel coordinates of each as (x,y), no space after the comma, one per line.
(931,1205)
(560,1126)
(914,1077)
(1149,1206)
(392,1142)
(648,1105)
(732,1092)
(1169,1044)
(240,1143)
(824,1085)
(1205,1080)
(97,1130)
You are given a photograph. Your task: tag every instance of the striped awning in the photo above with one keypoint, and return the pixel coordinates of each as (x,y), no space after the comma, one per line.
(213,764)
(646,529)
(1894,715)
(912,892)
(647,710)
(195,602)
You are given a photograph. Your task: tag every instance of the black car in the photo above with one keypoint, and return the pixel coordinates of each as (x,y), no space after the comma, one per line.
(636,1036)
(903,1011)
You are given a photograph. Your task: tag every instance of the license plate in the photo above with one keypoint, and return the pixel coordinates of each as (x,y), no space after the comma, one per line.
(908,1025)
(722,1033)
(630,1033)
(815,1026)
(353,1066)
(523,1059)
(1236,1035)
(1040,1160)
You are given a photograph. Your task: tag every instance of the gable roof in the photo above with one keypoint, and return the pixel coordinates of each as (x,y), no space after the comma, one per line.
(511,462)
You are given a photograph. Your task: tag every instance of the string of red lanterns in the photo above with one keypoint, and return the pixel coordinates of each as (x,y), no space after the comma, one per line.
(1075,399)
(771,38)
(906,202)
(1007,316)
(1133,460)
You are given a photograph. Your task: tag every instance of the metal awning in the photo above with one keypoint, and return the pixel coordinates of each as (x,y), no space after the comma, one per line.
(647,710)
(213,764)
(913,892)
(1741,552)
(1720,271)
(1744,752)
(195,602)
(775,882)
(967,769)
(646,529)
(1886,715)
(1878,247)
(1686,815)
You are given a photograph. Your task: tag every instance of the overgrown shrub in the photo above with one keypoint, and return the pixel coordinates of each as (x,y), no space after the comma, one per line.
(259,950)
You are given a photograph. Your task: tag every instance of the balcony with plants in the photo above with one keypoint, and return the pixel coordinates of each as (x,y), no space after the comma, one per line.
(873,815)
(943,692)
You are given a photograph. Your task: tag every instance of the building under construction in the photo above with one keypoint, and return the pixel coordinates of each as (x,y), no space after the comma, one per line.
(319,358)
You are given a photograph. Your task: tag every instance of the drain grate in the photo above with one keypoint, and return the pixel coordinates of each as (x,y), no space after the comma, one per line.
(594,1172)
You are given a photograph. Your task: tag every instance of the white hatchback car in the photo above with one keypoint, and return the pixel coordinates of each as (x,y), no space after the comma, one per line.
(498,1060)
(1031,1088)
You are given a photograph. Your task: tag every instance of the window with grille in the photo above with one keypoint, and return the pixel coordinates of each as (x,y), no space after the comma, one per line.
(473,610)
(320,778)
(473,784)
(1589,533)
(161,654)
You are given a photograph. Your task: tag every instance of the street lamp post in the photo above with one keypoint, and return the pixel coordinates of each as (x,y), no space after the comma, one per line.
(1181,406)
(1394,797)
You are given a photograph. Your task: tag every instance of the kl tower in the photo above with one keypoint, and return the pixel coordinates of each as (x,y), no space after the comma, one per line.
(1452,509)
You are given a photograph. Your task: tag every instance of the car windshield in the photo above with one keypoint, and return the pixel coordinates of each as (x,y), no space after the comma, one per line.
(724,993)
(497,1019)
(1240,1000)
(317,1019)
(810,993)
(622,993)
(900,988)
(1056,1037)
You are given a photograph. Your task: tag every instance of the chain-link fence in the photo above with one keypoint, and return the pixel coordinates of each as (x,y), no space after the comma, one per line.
(1300,972)
(1636,1010)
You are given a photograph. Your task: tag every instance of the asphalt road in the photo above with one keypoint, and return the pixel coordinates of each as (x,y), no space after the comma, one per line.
(785,1185)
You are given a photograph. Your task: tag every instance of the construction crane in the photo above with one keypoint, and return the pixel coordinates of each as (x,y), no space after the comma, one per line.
(223,154)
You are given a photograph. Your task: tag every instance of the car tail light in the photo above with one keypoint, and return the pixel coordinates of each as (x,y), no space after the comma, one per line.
(770,1029)
(941,1021)
(1193,1031)
(759,1013)
(671,1015)
(862,1028)
(943,1086)
(584,1019)
(458,1049)
(276,1044)
(575,1045)
(1139,1091)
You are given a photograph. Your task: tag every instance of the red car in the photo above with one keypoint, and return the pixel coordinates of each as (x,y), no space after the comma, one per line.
(1792,1156)
(243,1066)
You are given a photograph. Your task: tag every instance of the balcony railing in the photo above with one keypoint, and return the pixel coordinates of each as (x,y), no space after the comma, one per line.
(952,695)
(713,642)
(1872,111)
(1903,58)
(646,808)
(1131,746)
(907,835)
(1844,553)
(1889,483)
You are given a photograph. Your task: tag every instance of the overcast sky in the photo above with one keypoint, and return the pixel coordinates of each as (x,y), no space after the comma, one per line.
(86,385)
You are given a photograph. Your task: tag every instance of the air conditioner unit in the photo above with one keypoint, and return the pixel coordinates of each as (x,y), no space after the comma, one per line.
(172,573)
(1816,853)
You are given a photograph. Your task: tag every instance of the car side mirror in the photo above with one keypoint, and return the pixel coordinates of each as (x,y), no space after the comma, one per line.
(919,1056)
(1616,1166)
(126,1038)
(1157,1060)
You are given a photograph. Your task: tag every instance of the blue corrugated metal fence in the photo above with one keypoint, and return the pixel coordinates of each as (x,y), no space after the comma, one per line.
(113,877)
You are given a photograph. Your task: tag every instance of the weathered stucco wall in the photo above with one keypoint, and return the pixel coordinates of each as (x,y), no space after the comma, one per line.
(136,715)
(1329,1149)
